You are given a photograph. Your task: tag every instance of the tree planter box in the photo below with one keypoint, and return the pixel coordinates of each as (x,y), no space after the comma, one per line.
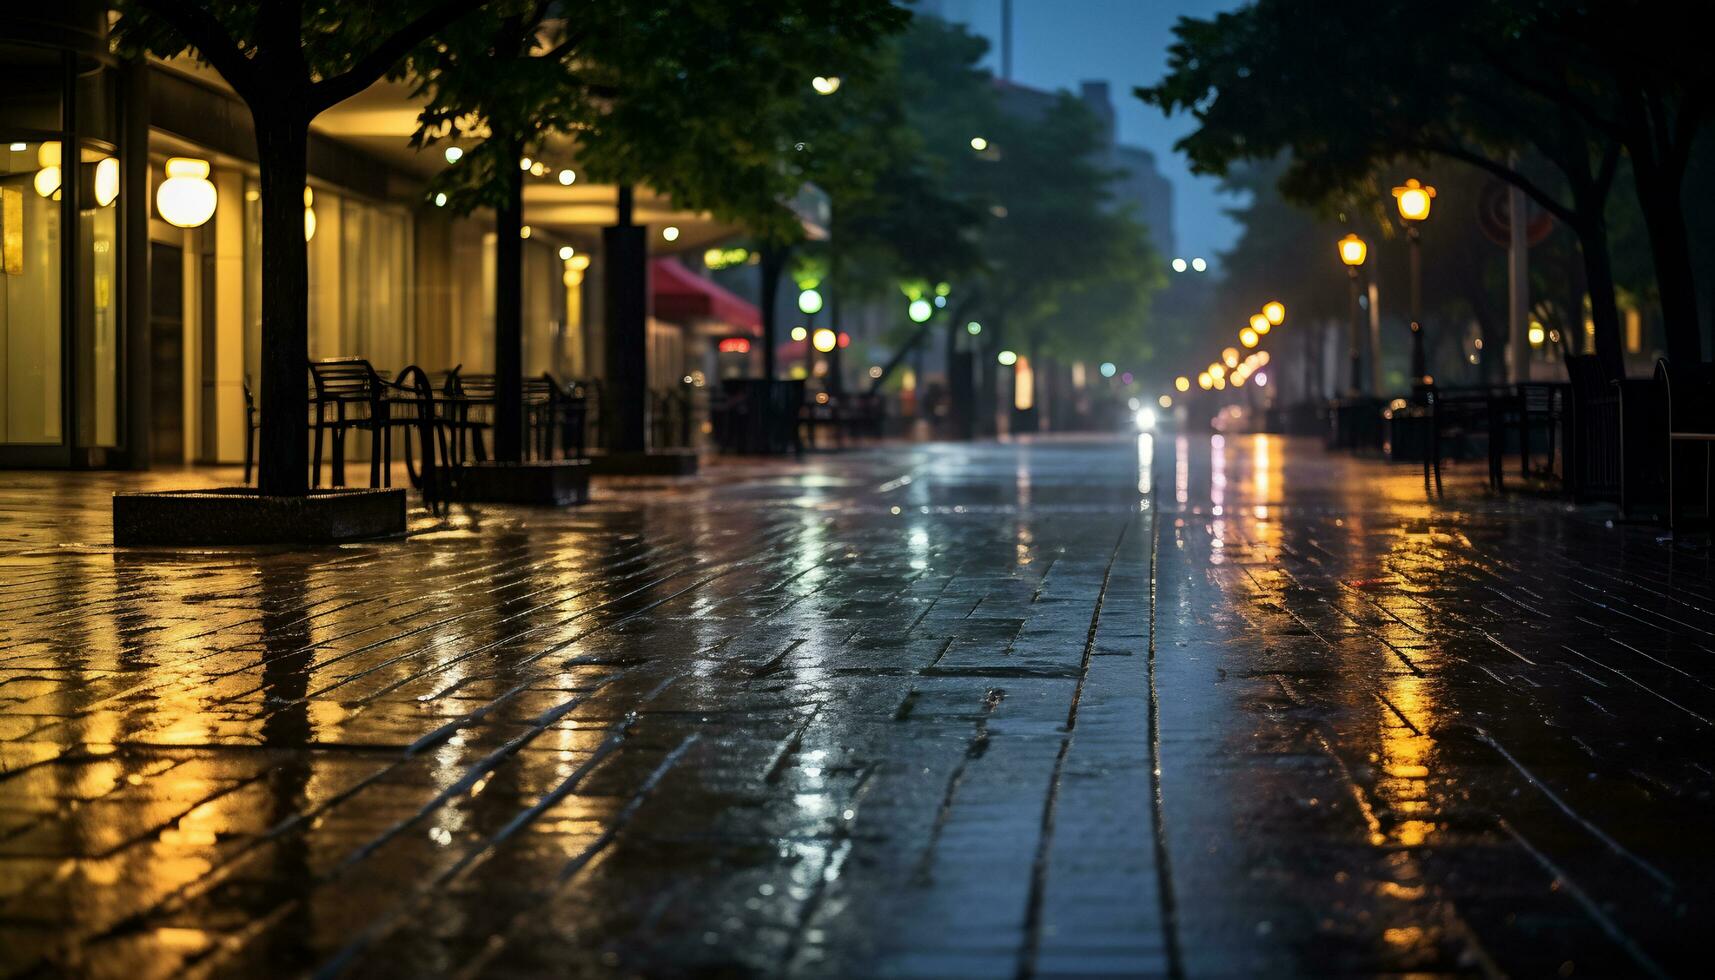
(240,515)
(554,483)
(666,462)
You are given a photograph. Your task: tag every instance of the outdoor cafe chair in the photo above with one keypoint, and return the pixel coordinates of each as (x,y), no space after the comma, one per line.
(348,395)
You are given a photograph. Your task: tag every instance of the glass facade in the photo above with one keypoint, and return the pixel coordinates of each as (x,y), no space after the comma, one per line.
(60,324)
(30,288)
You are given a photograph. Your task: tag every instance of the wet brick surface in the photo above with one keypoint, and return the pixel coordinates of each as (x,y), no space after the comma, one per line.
(1066,708)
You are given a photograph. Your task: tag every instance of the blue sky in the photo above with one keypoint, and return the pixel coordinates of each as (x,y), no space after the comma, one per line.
(1059,43)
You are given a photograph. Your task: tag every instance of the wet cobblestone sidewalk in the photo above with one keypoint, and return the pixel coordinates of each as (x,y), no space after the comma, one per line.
(1152,707)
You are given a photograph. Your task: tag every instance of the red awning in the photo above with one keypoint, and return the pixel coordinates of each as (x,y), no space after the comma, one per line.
(683,296)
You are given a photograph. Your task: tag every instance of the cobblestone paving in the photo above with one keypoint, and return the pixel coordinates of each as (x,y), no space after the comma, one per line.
(1155,707)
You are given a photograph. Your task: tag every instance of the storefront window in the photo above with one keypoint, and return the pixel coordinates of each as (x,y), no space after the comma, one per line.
(30,342)
(97,346)
(376,259)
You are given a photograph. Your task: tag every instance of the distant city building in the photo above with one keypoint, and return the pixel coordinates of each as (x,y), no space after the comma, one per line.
(1137,183)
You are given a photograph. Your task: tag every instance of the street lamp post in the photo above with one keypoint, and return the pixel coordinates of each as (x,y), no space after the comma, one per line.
(1413,198)
(1352,252)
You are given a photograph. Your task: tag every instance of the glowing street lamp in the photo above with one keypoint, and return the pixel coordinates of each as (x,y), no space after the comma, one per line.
(1413,198)
(920,310)
(1205,381)
(1182,383)
(1352,252)
(1230,357)
(1260,324)
(1006,358)
(824,339)
(809,301)
(825,84)
(1248,337)
(186,199)
(1275,312)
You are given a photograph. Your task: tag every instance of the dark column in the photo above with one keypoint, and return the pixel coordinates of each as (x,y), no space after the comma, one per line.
(134,254)
(625,272)
(1353,330)
(1419,364)
(772,263)
(509,317)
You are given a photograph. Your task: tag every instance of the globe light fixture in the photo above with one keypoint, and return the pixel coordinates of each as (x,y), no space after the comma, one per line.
(979,144)
(809,301)
(538,168)
(567,177)
(798,334)
(1260,324)
(973,328)
(920,310)
(1248,337)
(106,181)
(670,233)
(824,339)
(566,253)
(1182,383)
(1199,265)
(48,178)
(524,231)
(454,154)
(1413,198)
(1353,250)
(1275,312)
(440,200)
(525,163)
(1217,370)
(1180,265)
(186,199)
(1006,358)
(309,213)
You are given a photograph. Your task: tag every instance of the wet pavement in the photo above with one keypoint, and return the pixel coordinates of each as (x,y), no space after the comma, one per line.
(1169,706)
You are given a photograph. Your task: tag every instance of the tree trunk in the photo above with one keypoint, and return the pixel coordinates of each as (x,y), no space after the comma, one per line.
(772,264)
(509,315)
(282,136)
(985,418)
(1664,218)
(1604,304)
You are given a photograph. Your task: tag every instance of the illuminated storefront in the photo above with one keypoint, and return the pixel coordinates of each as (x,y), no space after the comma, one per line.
(130,245)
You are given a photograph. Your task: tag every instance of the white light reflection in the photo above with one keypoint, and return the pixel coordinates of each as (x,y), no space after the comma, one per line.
(1217,495)
(1182,470)
(1145,464)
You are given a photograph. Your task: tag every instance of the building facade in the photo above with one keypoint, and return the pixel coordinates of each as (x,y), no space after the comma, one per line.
(128,335)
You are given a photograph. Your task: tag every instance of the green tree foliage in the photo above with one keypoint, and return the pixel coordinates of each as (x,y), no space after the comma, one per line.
(1522,91)
(698,99)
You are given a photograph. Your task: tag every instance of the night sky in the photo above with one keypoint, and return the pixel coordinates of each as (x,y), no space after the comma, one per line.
(1059,43)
